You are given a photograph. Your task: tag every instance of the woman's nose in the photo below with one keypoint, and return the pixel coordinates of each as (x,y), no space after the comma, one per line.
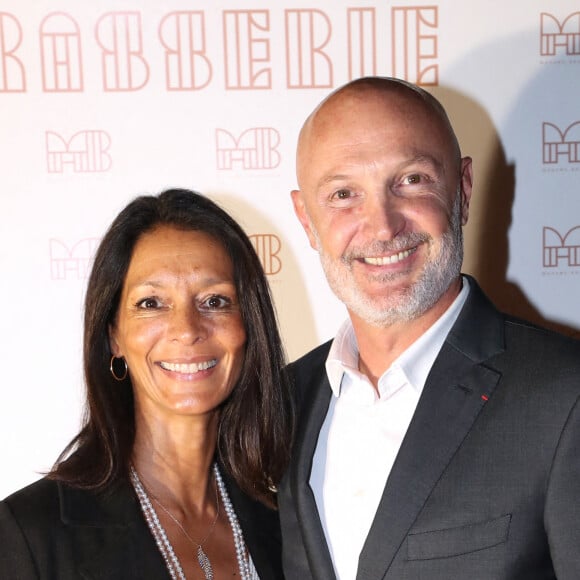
(188,325)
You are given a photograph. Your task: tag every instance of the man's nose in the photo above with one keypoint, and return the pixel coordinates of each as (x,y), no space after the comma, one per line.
(384,215)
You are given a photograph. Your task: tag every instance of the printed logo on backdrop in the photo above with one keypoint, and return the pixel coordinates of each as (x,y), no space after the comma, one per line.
(414,47)
(362,42)
(308,65)
(314,44)
(560,38)
(561,147)
(414,44)
(61,54)
(12,73)
(247,49)
(561,255)
(71,262)
(268,248)
(84,152)
(119,35)
(187,67)
(253,149)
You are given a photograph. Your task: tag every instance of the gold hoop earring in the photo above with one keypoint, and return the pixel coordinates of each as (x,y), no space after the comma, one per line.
(112,368)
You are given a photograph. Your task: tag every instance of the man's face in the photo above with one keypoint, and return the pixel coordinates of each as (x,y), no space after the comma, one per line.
(382,198)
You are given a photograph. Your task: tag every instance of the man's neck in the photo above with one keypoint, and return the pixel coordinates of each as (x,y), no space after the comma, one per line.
(379,347)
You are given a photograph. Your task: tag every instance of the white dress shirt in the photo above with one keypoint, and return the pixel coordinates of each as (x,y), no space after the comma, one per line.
(362,434)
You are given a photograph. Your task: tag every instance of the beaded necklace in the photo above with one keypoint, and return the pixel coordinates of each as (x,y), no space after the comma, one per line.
(245,564)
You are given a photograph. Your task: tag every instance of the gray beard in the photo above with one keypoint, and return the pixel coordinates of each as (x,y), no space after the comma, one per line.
(438,274)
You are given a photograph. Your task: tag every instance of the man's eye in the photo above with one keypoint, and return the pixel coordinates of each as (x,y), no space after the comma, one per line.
(342,194)
(413,179)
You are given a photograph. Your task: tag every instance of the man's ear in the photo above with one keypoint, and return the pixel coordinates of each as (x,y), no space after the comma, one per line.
(466,187)
(302,215)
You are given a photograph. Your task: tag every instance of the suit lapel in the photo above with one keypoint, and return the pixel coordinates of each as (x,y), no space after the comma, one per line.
(261,529)
(313,413)
(123,554)
(457,389)
(113,540)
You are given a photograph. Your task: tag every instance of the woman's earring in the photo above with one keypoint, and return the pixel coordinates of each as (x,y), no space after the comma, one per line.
(112,368)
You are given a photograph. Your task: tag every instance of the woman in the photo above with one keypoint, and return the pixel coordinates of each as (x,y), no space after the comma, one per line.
(187,425)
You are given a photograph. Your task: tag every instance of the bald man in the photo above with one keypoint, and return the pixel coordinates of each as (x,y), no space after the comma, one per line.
(437,438)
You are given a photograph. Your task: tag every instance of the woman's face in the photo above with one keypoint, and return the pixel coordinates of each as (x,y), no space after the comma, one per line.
(179,325)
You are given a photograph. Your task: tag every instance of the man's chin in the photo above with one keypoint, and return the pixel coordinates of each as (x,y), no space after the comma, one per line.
(385,295)
(380,311)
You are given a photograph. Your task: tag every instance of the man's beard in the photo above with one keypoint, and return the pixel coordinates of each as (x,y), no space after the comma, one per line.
(411,302)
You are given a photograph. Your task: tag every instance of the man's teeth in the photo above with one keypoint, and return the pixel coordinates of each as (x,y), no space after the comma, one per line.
(188,369)
(388,259)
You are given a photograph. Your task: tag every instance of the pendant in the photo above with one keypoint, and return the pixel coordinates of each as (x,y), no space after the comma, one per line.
(204,563)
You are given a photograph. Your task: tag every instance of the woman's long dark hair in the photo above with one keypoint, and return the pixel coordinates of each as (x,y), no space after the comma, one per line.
(255,421)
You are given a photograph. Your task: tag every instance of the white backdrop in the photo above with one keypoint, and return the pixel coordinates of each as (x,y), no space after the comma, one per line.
(105,100)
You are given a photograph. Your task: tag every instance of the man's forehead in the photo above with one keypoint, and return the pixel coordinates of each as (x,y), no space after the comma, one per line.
(351,111)
(356,105)
(359,120)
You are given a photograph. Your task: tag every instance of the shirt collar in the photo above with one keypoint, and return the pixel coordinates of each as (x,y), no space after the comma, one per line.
(342,357)
(415,362)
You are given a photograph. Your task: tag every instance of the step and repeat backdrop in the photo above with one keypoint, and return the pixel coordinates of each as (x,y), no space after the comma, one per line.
(106,100)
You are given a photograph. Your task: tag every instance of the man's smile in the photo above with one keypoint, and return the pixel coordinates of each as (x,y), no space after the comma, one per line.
(386,260)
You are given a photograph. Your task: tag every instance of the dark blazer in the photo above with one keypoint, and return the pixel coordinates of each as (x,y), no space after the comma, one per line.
(486,485)
(50,531)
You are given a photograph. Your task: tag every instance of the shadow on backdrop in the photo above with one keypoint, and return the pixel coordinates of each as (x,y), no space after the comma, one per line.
(497,183)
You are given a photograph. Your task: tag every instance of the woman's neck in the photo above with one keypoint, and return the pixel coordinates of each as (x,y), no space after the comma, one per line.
(173,458)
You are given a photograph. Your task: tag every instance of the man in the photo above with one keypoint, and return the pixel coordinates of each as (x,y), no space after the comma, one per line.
(437,439)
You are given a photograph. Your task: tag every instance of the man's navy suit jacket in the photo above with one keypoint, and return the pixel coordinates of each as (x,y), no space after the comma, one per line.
(486,485)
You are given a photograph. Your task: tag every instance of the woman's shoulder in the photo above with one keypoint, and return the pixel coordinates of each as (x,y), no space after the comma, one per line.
(46,501)
(28,516)
(40,494)
(53,530)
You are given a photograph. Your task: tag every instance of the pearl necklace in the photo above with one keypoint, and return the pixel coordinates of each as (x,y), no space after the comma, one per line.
(204,561)
(245,565)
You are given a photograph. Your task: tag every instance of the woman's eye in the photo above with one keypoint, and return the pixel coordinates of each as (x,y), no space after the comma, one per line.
(148,303)
(216,302)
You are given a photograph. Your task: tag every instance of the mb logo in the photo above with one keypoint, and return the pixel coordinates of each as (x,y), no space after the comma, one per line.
(73,262)
(84,152)
(559,37)
(255,148)
(561,145)
(268,247)
(561,250)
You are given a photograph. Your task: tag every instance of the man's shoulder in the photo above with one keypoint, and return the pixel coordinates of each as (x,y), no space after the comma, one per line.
(531,338)
(484,331)
(308,370)
(312,359)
